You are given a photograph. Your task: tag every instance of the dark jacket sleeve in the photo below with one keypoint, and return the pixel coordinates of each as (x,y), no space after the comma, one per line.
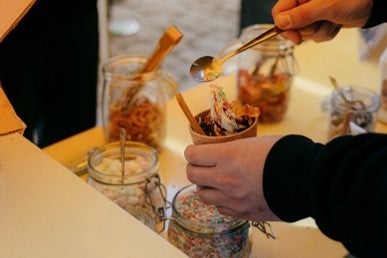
(342,185)
(378,15)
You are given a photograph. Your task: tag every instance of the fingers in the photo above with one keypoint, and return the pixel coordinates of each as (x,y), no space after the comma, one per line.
(211,196)
(197,154)
(221,200)
(326,31)
(299,14)
(283,5)
(201,175)
(293,35)
(227,211)
(318,32)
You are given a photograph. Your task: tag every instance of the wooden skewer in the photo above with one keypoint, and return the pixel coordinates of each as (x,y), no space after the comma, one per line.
(170,38)
(195,125)
(166,43)
(122,152)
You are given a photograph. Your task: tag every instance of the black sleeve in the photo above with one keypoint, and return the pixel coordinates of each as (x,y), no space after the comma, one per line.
(378,15)
(342,185)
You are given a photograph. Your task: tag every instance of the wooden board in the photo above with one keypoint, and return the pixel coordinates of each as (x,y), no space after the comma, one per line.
(11,12)
(9,121)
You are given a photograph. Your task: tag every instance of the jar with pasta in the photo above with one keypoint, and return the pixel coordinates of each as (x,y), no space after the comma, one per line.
(135,101)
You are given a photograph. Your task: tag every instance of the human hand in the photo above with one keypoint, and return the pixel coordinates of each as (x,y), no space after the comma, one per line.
(319,20)
(229,176)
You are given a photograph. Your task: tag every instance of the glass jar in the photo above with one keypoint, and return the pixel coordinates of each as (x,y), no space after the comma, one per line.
(354,114)
(265,74)
(138,189)
(135,101)
(199,230)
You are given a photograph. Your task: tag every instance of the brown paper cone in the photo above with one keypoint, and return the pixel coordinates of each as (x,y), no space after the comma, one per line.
(204,139)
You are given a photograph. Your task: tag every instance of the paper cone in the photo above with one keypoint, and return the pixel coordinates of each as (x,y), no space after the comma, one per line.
(204,139)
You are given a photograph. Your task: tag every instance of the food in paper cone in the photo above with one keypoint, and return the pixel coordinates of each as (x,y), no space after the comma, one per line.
(225,121)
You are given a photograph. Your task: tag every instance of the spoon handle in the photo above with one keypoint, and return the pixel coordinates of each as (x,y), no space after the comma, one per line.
(255,41)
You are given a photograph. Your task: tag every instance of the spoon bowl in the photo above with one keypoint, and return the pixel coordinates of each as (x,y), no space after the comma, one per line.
(208,68)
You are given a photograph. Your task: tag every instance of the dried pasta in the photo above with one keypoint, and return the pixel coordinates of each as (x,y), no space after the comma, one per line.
(142,122)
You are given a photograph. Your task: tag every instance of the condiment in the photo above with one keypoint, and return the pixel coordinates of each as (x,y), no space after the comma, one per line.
(199,230)
(135,101)
(265,74)
(359,107)
(227,117)
(137,188)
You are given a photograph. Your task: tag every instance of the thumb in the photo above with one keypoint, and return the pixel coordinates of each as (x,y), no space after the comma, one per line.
(302,15)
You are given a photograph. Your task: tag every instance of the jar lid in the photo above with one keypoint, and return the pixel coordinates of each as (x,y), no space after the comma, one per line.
(193,214)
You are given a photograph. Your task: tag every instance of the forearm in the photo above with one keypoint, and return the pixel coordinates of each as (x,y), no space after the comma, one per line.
(341,185)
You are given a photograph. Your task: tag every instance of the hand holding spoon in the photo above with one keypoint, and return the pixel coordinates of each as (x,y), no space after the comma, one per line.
(208,68)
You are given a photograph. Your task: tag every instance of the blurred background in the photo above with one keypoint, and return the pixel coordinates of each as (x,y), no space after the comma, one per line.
(207,26)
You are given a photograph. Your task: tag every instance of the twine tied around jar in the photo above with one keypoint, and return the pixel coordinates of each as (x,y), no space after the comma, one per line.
(265,228)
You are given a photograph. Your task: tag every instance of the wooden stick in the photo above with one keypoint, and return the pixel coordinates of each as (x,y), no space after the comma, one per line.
(170,38)
(166,43)
(195,125)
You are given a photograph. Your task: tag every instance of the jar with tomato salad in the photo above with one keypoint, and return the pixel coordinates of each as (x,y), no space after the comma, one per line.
(265,74)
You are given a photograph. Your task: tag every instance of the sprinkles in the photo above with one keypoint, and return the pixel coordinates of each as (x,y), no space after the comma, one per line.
(199,230)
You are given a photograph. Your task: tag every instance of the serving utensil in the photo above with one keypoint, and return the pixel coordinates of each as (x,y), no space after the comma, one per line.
(354,104)
(122,152)
(208,68)
(168,40)
(195,125)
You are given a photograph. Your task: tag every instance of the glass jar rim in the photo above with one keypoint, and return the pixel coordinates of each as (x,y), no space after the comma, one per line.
(136,149)
(370,98)
(203,227)
(116,64)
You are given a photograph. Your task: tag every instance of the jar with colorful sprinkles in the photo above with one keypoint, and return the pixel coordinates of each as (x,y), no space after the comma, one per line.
(199,230)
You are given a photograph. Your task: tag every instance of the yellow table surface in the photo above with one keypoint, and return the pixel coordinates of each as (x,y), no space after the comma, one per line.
(337,58)
(301,239)
(47,211)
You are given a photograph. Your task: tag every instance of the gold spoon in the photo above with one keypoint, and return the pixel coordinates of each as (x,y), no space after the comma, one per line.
(208,68)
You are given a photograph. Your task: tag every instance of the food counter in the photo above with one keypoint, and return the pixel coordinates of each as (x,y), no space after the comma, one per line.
(304,117)
(46,210)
